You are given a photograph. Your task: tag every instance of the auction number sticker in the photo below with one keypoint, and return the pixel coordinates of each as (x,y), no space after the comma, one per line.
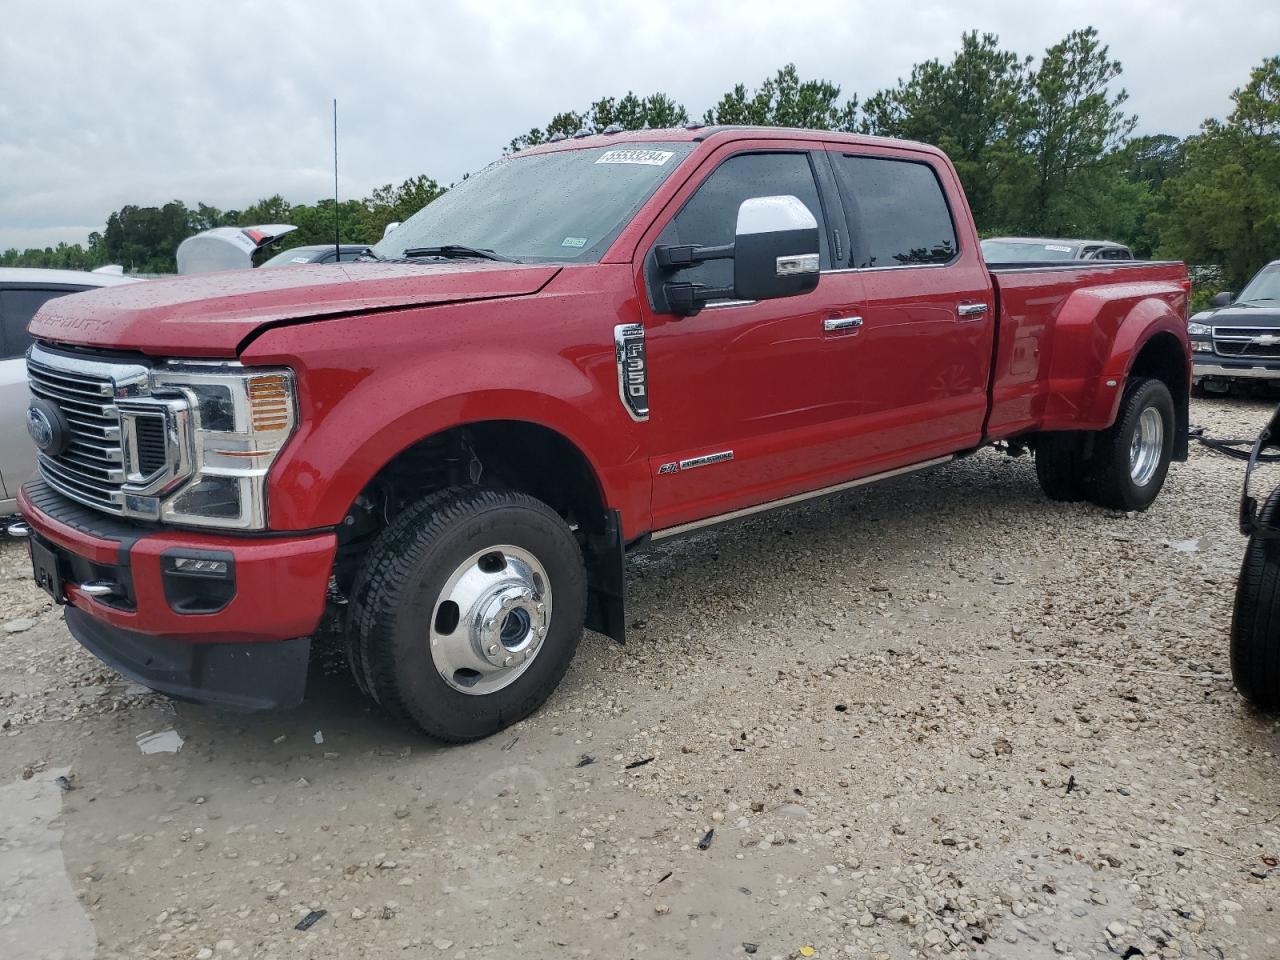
(648,158)
(1058,247)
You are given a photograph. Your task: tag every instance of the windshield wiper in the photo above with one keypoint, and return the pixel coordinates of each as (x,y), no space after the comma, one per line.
(456,251)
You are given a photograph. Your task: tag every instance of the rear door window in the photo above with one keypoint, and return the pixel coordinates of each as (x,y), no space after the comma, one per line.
(898,214)
(17,307)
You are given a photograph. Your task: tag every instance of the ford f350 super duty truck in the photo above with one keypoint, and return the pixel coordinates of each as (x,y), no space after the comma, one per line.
(588,345)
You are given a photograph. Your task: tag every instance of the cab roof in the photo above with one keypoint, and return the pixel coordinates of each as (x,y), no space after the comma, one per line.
(724,132)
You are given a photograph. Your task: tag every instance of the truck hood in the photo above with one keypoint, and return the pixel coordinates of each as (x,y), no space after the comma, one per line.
(1260,313)
(214,314)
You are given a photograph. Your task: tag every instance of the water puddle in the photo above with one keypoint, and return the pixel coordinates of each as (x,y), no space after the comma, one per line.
(40,917)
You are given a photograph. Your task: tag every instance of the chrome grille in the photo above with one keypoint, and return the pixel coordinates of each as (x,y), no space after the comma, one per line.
(91,468)
(1262,343)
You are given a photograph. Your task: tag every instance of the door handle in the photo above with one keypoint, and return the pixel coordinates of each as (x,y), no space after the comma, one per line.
(969,311)
(836,324)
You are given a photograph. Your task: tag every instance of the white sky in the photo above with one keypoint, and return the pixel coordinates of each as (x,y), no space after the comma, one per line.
(106,104)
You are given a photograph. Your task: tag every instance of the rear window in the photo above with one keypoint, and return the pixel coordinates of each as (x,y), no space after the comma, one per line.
(897,211)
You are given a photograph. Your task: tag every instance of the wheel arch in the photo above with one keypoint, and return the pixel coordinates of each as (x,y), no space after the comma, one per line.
(505,453)
(1162,357)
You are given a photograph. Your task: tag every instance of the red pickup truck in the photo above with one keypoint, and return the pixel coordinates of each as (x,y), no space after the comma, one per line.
(586,346)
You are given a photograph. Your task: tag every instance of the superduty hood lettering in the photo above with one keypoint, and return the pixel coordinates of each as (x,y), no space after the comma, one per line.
(213,314)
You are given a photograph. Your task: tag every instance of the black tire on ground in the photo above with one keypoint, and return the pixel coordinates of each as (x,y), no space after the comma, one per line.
(394,606)
(1060,466)
(1255,623)
(1109,481)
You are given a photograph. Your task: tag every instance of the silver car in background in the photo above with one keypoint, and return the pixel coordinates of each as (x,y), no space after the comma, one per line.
(23,291)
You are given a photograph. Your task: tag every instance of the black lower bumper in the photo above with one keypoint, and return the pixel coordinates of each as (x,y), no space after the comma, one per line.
(244,676)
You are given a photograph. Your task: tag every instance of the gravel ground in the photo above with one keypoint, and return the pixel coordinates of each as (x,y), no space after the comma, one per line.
(942,715)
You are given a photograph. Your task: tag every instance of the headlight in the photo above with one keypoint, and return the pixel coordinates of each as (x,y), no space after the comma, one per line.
(240,419)
(1199,329)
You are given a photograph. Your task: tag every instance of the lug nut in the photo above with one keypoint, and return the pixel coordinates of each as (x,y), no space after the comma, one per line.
(509,661)
(493,648)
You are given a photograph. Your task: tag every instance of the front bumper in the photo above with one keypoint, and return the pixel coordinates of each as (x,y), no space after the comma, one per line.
(246,629)
(1229,371)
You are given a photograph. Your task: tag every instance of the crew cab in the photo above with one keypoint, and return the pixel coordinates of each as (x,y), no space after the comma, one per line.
(1237,340)
(451,445)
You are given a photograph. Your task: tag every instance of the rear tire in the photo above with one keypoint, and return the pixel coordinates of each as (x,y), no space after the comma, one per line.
(1060,466)
(467,611)
(1255,623)
(1131,458)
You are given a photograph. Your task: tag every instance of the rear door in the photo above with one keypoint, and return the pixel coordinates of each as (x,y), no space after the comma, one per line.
(17,453)
(927,303)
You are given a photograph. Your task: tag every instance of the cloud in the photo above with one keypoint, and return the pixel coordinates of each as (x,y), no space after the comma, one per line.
(225,103)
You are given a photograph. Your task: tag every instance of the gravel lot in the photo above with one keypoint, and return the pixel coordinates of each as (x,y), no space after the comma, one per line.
(942,715)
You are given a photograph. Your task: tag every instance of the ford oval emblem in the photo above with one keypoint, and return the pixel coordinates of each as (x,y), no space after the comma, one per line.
(46,427)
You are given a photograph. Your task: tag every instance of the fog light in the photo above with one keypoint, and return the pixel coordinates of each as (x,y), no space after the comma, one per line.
(198,581)
(206,568)
(1201,346)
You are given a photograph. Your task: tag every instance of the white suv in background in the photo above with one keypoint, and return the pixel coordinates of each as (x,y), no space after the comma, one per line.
(23,291)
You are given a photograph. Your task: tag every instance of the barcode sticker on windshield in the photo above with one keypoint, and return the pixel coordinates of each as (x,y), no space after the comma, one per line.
(649,158)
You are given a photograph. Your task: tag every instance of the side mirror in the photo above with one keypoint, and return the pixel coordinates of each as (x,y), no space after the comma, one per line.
(775,249)
(774,254)
(1222,299)
(389,227)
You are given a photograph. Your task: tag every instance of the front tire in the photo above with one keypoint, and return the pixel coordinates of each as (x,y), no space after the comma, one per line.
(467,611)
(1131,458)
(1255,623)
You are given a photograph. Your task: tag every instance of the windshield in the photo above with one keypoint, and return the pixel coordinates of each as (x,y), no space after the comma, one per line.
(565,206)
(1264,286)
(1025,251)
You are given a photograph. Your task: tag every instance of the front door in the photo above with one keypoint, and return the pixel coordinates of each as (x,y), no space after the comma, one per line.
(747,400)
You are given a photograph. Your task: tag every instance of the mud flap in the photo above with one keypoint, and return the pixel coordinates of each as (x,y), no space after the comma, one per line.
(606,580)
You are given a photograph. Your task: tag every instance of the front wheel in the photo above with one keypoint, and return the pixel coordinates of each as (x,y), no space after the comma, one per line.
(1131,458)
(467,611)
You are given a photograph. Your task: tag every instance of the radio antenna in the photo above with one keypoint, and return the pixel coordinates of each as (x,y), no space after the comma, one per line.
(337,231)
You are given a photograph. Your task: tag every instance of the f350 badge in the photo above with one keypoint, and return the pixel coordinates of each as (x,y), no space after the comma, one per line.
(633,370)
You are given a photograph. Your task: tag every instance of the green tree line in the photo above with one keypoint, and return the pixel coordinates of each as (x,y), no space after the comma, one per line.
(1043,146)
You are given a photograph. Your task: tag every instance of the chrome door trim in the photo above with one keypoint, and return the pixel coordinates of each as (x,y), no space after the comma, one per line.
(895,266)
(968,310)
(797,498)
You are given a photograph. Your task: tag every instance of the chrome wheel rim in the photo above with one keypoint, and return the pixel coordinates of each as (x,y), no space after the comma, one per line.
(490,620)
(1146,447)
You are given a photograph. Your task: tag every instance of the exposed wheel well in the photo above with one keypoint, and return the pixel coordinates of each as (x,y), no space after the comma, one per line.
(509,454)
(1163,358)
